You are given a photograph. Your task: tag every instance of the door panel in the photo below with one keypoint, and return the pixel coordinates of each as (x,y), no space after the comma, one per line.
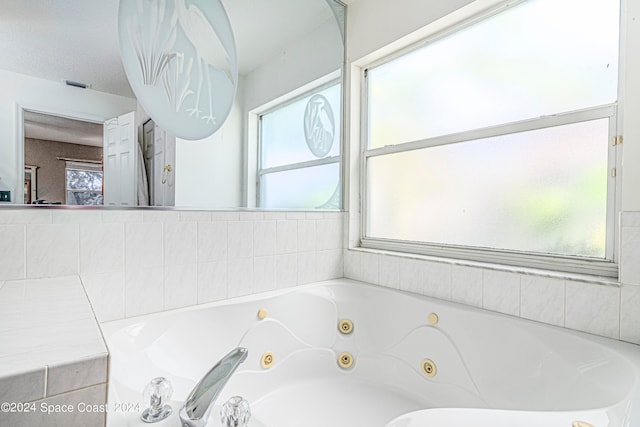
(120,161)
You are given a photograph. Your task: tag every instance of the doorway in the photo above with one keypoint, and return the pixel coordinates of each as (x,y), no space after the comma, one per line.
(62,160)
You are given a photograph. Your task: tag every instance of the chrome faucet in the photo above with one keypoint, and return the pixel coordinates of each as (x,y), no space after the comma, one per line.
(195,411)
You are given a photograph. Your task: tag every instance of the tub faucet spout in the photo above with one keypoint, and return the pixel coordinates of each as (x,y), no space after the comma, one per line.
(195,411)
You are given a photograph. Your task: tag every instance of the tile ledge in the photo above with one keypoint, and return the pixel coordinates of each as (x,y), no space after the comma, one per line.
(27,368)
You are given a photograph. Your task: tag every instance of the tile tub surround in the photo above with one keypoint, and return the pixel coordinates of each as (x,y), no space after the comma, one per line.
(606,308)
(630,248)
(140,261)
(51,351)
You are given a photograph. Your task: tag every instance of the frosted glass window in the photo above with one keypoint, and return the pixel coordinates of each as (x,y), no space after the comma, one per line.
(307,188)
(283,131)
(491,141)
(540,191)
(537,58)
(299,160)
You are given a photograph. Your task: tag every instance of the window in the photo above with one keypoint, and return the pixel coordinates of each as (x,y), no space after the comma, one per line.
(494,141)
(299,152)
(84,183)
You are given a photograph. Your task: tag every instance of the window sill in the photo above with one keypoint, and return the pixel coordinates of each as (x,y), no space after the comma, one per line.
(530,271)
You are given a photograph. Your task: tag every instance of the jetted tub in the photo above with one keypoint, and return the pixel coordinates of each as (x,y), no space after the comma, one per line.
(416,362)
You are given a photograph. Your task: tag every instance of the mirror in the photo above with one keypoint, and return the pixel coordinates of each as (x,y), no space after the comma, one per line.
(288,51)
(63,160)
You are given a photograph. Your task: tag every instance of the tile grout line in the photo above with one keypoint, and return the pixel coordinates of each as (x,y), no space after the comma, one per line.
(24,237)
(46,380)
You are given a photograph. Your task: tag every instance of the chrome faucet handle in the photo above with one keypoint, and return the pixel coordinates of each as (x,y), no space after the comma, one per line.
(156,394)
(235,412)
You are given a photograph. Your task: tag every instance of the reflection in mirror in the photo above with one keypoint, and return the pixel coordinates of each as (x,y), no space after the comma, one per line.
(288,51)
(275,71)
(293,174)
(181,61)
(62,160)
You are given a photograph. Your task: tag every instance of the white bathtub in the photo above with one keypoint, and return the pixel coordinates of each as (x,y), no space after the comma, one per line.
(491,370)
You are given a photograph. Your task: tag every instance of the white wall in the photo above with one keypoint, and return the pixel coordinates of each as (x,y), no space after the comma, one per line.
(302,62)
(21,91)
(630,100)
(209,171)
(374,24)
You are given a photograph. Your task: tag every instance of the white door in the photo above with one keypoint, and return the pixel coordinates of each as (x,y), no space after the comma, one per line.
(160,148)
(160,169)
(169,186)
(148,149)
(163,167)
(120,161)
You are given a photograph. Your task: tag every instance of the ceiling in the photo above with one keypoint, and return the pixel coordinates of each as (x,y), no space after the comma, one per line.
(77,40)
(53,128)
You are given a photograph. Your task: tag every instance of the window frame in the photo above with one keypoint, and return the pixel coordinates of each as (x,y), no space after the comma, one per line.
(605,267)
(261,172)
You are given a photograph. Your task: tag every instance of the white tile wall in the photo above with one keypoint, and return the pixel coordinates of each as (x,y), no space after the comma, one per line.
(140,261)
(212,241)
(12,252)
(466,285)
(412,275)
(593,308)
(180,243)
(180,285)
(330,263)
(307,238)
(264,273)
(389,271)
(101,247)
(52,250)
(286,236)
(630,248)
(239,277)
(630,313)
(630,277)
(437,281)
(543,299)
(264,238)
(240,239)
(286,270)
(143,245)
(501,291)
(370,266)
(307,267)
(135,262)
(212,281)
(106,293)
